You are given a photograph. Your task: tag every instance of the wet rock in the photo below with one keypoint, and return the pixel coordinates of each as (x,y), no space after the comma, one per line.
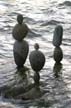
(58,34)
(58,54)
(37,59)
(21,49)
(33,93)
(17,92)
(13,92)
(20,30)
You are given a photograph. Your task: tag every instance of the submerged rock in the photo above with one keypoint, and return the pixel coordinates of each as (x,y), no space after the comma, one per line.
(21,49)
(58,34)
(33,93)
(37,59)
(20,30)
(58,54)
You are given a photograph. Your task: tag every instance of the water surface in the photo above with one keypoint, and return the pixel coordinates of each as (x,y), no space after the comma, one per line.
(41,16)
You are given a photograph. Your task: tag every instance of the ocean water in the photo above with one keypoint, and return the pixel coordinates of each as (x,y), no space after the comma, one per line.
(17,89)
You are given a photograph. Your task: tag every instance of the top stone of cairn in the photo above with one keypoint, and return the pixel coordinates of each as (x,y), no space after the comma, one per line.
(58,34)
(20,19)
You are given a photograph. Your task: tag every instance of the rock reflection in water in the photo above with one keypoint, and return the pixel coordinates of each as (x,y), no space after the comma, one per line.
(57,69)
(60,90)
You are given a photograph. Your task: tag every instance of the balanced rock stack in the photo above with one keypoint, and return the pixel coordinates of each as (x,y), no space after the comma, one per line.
(21,46)
(37,61)
(57,41)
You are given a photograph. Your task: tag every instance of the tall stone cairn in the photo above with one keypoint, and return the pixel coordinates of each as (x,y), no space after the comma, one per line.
(21,47)
(37,61)
(57,41)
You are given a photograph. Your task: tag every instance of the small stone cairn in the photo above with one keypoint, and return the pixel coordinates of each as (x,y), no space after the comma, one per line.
(37,61)
(21,47)
(57,41)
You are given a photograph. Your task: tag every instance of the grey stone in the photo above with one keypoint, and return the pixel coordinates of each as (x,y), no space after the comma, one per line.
(20,50)
(58,55)
(58,34)
(20,18)
(20,31)
(37,60)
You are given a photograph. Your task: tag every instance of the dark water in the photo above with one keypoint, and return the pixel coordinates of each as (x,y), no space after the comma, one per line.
(17,87)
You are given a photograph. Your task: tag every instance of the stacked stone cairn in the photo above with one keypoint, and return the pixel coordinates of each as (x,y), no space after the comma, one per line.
(37,61)
(57,41)
(21,47)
